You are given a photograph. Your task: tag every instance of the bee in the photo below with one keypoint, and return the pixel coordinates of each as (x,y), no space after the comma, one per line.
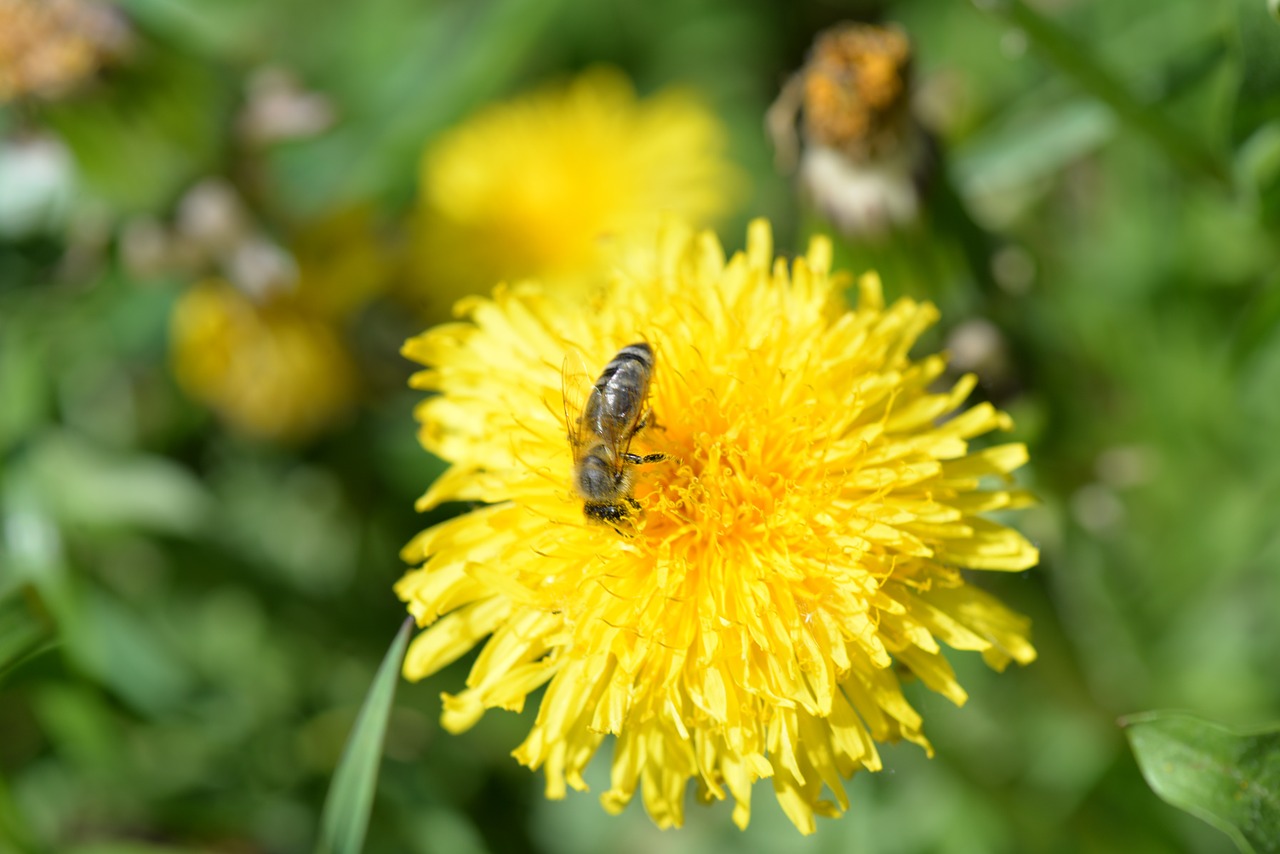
(600,434)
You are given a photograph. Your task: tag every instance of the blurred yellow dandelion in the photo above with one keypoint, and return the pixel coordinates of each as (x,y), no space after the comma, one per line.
(271,369)
(806,535)
(531,188)
(268,353)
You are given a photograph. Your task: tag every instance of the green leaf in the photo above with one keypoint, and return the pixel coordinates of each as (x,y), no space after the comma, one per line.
(85,484)
(1258,48)
(1229,779)
(1259,323)
(1255,127)
(15,835)
(123,847)
(1258,160)
(212,27)
(1022,153)
(24,376)
(25,625)
(1075,59)
(346,809)
(125,649)
(1258,170)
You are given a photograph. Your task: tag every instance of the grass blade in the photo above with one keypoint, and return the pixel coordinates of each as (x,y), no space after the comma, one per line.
(25,626)
(346,809)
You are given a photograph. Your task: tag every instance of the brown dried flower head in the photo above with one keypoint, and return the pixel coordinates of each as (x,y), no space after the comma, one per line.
(47,47)
(856,89)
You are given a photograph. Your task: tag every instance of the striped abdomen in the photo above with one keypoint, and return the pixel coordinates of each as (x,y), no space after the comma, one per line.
(617,403)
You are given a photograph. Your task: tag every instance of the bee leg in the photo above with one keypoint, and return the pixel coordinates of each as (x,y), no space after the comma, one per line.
(637,460)
(633,503)
(647,421)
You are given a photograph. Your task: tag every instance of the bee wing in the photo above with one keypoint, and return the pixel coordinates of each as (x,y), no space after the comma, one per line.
(575,387)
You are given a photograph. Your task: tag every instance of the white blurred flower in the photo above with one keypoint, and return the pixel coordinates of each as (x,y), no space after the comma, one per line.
(279,109)
(37,183)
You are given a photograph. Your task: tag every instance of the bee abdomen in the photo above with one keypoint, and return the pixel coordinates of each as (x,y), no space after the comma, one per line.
(640,352)
(615,404)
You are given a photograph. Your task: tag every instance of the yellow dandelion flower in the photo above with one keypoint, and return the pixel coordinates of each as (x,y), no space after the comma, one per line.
(802,545)
(530,188)
(271,369)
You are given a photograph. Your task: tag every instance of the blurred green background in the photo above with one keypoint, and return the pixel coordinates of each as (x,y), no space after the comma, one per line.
(191,612)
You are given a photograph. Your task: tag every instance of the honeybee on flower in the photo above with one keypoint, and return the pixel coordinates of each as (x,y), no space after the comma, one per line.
(601,430)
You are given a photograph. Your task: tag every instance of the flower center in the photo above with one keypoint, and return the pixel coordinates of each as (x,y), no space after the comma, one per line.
(743,476)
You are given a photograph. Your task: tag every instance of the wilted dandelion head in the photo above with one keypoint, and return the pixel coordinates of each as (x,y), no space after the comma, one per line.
(534,187)
(863,158)
(857,88)
(803,544)
(47,47)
